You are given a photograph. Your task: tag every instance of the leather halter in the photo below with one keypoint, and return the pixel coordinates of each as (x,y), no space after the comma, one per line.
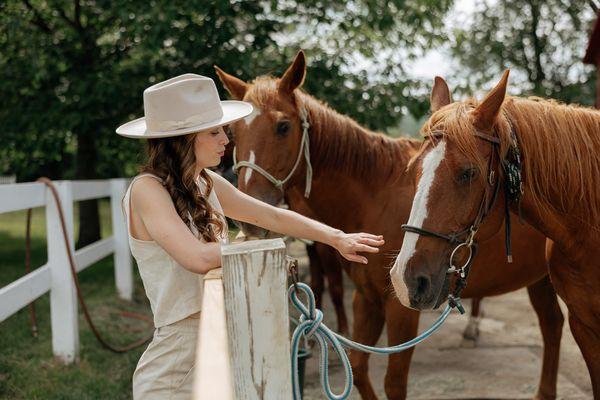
(304,150)
(466,238)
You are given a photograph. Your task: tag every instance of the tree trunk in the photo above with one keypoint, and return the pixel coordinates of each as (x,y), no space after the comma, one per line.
(89,218)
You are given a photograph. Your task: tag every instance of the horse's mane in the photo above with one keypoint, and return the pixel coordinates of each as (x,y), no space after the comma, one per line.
(560,147)
(340,143)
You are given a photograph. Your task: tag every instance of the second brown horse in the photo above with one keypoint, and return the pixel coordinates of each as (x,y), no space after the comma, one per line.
(360,183)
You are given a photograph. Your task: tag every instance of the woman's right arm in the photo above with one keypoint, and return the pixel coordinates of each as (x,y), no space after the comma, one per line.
(154,206)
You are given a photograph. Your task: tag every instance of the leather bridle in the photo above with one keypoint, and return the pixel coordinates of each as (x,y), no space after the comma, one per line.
(304,150)
(511,166)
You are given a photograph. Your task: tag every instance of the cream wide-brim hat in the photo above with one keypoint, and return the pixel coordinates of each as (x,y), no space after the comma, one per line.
(185,104)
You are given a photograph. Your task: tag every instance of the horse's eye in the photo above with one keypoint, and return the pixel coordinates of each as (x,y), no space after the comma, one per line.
(282,127)
(467,175)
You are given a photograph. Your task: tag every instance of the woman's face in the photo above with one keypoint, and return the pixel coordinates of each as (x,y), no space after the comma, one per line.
(209,147)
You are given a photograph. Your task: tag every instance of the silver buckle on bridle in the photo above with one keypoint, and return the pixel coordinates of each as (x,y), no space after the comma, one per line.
(468,243)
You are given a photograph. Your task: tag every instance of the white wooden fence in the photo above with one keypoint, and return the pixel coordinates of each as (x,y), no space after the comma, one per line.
(55,275)
(8,179)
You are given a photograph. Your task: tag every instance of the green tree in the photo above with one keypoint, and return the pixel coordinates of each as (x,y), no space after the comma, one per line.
(541,41)
(71,71)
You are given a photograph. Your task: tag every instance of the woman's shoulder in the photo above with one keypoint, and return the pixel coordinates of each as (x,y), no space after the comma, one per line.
(144,182)
(217,179)
(148,189)
(213,175)
(220,184)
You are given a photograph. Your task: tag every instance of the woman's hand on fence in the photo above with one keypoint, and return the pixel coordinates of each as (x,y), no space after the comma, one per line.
(349,244)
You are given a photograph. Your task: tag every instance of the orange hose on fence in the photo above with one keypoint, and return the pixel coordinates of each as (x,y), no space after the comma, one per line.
(86,313)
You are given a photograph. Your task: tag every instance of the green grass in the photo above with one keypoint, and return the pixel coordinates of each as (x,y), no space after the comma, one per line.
(28,369)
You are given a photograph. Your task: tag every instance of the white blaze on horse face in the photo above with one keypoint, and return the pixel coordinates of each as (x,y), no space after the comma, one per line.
(249,170)
(255,113)
(418,214)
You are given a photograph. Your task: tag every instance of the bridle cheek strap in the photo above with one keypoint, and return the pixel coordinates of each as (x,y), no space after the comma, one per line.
(303,151)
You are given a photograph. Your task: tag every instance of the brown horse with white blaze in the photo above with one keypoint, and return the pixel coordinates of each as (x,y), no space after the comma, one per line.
(357,180)
(545,155)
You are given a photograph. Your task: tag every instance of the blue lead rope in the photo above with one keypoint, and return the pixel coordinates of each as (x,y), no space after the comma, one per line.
(311,325)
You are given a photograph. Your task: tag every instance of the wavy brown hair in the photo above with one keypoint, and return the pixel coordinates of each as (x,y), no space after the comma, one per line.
(174,161)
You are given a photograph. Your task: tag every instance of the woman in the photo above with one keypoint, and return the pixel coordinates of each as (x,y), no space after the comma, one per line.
(175,216)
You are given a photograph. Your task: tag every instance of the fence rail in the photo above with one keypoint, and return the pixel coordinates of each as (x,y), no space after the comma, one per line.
(55,276)
(8,179)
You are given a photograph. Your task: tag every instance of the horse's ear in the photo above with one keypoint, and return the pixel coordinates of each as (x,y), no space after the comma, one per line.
(486,112)
(236,87)
(294,76)
(440,94)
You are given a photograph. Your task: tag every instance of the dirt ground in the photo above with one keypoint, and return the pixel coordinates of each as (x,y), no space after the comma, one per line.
(505,364)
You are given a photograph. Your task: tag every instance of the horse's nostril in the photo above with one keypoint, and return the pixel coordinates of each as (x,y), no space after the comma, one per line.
(422,286)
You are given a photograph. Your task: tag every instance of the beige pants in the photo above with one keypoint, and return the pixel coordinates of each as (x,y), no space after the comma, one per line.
(166,369)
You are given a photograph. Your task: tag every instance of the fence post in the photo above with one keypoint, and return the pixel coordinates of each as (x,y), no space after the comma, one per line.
(257,315)
(122,256)
(63,297)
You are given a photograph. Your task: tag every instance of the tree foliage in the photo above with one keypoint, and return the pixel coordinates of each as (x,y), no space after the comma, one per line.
(71,71)
(542,41)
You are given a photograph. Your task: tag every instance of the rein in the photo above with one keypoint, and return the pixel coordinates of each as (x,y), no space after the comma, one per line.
(513,189)
(310,325)
(304,150)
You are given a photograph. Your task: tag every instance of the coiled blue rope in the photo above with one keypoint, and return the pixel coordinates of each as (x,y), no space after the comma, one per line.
(311,325)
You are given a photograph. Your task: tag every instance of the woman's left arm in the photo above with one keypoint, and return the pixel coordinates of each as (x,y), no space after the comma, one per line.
(241,207)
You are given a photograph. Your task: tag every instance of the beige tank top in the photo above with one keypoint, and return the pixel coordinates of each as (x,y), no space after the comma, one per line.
(174,292)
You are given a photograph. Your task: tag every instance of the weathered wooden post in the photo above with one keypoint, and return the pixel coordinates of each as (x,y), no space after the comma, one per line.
(257,322)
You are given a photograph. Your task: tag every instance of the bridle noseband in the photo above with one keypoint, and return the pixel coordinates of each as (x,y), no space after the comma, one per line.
(513,190)
(304,150)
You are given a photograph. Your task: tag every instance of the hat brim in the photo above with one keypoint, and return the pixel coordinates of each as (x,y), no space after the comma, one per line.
(233,110)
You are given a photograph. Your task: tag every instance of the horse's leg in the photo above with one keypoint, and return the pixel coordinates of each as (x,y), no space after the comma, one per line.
(317,283)
(402,325)
(577,286)
(332,267)
(545,303)
(471,332)
(366,329)
(588,340)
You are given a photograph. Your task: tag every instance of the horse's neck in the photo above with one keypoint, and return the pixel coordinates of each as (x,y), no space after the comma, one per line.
(345,202)
(340,144)
(344,192)
(573,229)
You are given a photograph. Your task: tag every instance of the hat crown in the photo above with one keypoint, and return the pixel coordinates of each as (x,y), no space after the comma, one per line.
(182,105)
(181,102)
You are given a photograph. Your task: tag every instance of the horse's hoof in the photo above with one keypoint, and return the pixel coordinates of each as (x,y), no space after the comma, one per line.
(471,332)
(468,343)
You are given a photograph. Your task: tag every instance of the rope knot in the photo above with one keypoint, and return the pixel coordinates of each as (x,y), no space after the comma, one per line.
(314,323)
(311,325)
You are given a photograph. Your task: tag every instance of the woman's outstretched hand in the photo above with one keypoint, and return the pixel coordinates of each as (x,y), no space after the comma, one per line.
(348,244)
